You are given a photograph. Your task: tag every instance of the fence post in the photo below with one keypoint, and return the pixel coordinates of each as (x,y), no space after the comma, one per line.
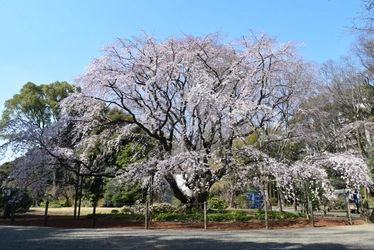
(365,209)
(205,216)
(348,208)
(266,204)
(146,214)
(46,212)
(310,205)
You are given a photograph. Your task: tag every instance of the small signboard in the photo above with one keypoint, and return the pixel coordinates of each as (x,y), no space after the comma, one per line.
(256,200)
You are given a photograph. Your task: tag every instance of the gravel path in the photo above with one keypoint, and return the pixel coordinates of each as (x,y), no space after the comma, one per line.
(343,237)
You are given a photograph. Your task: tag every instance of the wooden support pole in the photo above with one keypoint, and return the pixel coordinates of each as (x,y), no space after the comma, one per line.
(348,208)
(266,204)
(311,218)
(94,213)
(205,216)
(146,215)
(46,212)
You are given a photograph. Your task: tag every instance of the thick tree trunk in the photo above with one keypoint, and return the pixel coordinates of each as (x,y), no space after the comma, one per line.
(201,198)
(176,190)
(67,201)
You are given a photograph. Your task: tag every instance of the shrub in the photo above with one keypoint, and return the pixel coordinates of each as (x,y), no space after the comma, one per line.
(273,201)
(216,216)
(222,215)
(52,204)
(242,201)
(126,209)
(369,202)
(230,216)
(130,217)
(239,216)
(180,209)
(164,208)
(22,205)
(178,217)
(277,215)
(217,203)
(138,207)
(339,203)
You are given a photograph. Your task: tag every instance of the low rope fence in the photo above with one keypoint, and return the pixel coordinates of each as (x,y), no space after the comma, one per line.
(149,216)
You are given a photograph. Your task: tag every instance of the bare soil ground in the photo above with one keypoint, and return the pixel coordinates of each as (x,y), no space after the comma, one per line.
(63,219)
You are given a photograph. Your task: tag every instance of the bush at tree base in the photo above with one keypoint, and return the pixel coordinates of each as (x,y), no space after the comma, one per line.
(221,215)
(21,206)
(167,208)
(217,203)
(277,215)
(242,201)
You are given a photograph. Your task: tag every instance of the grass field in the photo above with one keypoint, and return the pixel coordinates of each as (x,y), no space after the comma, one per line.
(68,211)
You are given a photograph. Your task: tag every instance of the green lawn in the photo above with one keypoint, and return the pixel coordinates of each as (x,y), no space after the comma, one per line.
(68,211)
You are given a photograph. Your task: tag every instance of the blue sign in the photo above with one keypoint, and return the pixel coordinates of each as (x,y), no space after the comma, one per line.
(256,200)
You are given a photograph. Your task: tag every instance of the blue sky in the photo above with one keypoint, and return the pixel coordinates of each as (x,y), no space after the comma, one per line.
(43,41)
